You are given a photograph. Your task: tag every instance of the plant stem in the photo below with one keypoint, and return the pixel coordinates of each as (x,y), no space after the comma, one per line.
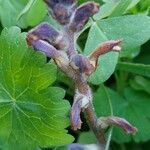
(92,120)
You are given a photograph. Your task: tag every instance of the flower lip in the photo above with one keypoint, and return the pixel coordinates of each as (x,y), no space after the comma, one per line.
(47,33)
(82,15)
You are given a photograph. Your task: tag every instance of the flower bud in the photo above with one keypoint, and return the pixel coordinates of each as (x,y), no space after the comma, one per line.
(53,3)
(47,33)
(82,14)
(122,123)
(113,45)
(61,10)
(75,115)
(82,63)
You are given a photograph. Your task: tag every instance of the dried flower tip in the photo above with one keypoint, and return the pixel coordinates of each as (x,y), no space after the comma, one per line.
(82,15)
(47,33)
(122,123)
(117,48)
(113,45)
(104,48)
(61,10)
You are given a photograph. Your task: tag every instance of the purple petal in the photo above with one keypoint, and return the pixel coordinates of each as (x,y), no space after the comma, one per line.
(122,123)
(82,15)
(53,3)
(48,49)
(61,10)
(83,64)
(75,115)
(75,147)
(46,32)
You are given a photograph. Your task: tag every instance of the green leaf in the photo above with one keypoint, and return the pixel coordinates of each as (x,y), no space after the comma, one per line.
(144,57)
(32,113)
(124,28)
(61,148)
(106,62)
(133,3)
(87,138)
(24,10)
(102,97)
(112,8)
(121,8)
(83,1)
(134,107)
(106,9)
(39,8)
(143,7)
(137,111)
(136,68)
(140,83)
(131,52)
(104,102)
(106,110)
(116,28)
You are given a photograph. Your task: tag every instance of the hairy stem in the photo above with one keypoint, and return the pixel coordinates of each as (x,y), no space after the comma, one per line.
(90,114)
(71,41)
(92,120)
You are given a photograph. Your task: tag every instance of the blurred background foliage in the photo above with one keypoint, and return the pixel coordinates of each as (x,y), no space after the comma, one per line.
(121,85)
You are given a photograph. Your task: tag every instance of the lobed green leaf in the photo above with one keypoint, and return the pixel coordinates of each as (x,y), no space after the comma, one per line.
(32,112)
